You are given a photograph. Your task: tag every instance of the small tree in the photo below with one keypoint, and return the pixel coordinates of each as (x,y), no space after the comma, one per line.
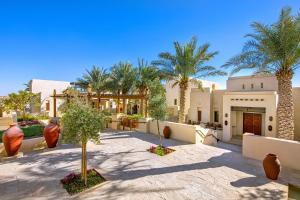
(81,123)
(157,104)
(19,101)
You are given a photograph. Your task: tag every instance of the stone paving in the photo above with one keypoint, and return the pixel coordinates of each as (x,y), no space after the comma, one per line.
(191,172)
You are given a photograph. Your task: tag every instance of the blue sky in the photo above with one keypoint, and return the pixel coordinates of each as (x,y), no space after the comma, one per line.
(58,40)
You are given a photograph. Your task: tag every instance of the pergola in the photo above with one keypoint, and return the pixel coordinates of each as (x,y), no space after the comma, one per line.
(89,96)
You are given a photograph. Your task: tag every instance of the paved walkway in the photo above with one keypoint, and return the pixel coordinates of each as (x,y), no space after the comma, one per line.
(191,172)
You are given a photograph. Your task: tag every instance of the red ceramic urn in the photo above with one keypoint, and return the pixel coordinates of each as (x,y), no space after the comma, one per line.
(271,166)
(12,140)
(51,134)
(167,132)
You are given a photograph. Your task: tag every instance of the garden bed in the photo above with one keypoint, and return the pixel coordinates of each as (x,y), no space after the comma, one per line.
(160,150)
(29,131)
(73,183)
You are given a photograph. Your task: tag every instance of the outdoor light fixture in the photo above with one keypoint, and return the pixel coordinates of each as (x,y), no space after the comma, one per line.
(270,128)
(270,118)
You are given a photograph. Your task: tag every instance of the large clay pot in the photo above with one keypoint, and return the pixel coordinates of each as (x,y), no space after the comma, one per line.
(51,134)
(271,166)
(167,132)
(12,140)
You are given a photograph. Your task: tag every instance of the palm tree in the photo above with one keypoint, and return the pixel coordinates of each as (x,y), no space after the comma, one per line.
(145,75)
(275,49)
(186,65)
(122,80)
(97,79)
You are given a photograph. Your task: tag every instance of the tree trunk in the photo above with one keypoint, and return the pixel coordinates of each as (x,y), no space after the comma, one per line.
(146,108)
(142,107)
(118,103)
(160,139)
(182,104)
(124,106)
(23,114)
(285,108)
(99,102)
(84,163)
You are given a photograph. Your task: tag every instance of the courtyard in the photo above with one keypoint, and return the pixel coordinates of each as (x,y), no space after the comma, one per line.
(191,172)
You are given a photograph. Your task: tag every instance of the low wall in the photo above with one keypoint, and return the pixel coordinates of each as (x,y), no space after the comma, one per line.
(28,145)
(5,122)
(182,132)
(257,147)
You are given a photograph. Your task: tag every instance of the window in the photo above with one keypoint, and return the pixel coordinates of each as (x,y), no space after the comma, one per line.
(243,86)
(216,116)
(175,102)
(252,86)
(261,85)
(47,106)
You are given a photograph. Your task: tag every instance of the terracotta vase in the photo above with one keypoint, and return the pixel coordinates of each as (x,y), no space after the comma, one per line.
(271,166)
(167,132)
(12,140)
(51,134)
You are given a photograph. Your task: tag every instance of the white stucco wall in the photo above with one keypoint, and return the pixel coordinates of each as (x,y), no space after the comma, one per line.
(270,83)
(238,99)
(201,101)
(286,150)
(217,104)
(182,132)
(296,97)
(173,92)
(46,87)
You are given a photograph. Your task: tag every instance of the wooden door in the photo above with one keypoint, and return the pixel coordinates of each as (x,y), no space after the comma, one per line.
(199,115)
(257,124)
(252,123)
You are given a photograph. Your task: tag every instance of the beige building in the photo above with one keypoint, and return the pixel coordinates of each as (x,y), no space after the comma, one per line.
(248,104)
(45,89)
(173,96)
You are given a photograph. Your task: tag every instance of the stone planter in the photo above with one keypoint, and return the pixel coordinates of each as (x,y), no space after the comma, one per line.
(167,132)
(12,140)
(271,166)
(51,134)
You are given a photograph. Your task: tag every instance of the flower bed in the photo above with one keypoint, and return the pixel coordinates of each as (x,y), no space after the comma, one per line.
(73,183)
(160,150)
(28,123)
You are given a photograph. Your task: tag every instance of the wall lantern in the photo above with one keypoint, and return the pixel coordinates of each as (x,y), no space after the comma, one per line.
(226,115)
(226,123)
(270,128)
(270,118)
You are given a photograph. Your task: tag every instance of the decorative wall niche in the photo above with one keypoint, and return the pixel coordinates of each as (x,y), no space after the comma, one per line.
(270,128)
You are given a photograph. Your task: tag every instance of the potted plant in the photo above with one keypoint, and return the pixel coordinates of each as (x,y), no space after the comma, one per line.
(81,123)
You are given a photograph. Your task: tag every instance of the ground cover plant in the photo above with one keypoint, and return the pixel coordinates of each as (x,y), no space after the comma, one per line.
(73,183)
(160,150)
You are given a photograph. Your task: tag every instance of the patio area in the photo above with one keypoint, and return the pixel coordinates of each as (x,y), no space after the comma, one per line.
(191,172)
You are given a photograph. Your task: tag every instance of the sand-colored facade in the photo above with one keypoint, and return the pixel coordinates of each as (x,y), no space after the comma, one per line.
(45,88)
(173,94)
(246,95)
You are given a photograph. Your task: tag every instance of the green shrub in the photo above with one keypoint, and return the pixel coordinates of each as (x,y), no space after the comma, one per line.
(29,132)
